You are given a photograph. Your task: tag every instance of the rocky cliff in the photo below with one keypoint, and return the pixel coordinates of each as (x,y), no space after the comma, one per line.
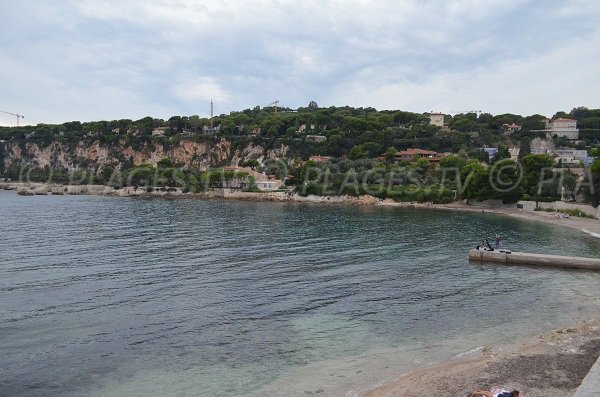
(187,154)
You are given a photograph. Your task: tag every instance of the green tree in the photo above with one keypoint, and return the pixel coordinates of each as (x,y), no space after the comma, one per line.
(252,163)
(569,184)
(453,161)
(306,168)
(590,122)
(142,175)
(164,163)
(505,177)
(475,181)
(451,166)
(501,154)
(483,156)
(390,154)
(358,152)
(561,114)
(535,122)
(593,178)
(421,167)
(463,124)
(525,147)
(538,177)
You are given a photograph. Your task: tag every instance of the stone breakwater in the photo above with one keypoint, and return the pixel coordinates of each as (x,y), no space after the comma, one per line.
(96,190)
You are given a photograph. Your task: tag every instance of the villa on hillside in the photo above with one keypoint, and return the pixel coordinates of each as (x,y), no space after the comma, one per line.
(303,128)
(436,119)
(207,129)
(316,138)
(491,151)
(410,154)
(263,181)
(159,131)
(572,157)
(510,128)
(320,159)
(562,127)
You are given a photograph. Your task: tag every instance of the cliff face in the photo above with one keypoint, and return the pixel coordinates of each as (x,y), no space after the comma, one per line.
(185,153)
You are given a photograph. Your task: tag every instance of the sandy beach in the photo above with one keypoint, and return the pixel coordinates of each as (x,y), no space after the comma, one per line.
(553,364)
(586,225)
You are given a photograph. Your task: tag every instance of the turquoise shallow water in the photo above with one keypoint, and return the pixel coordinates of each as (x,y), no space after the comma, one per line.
(112,296)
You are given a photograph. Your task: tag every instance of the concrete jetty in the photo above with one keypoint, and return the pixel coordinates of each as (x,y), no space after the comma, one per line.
(524,258)
(590,386)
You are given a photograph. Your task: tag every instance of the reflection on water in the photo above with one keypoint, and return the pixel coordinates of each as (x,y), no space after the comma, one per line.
(121,297)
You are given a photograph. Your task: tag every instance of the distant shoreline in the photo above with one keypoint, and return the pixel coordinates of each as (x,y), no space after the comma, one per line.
(588,226)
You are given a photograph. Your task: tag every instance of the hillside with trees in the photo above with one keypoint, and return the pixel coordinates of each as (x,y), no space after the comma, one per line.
(280,141)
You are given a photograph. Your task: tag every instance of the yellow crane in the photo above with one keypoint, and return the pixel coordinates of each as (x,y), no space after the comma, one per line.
(478,112)
(275,104)
(19,116)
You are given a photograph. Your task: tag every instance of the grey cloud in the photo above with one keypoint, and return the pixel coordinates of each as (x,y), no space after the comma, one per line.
(162,58)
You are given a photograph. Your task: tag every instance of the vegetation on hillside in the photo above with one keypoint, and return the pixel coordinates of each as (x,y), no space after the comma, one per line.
(361,141)
(356,132)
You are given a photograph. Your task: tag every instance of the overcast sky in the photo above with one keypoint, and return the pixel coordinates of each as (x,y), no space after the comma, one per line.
(93,60)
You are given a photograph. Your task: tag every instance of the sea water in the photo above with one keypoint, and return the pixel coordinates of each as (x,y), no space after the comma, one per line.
(104,296)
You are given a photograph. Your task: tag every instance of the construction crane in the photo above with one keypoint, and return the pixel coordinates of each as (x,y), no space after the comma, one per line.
(19,116)
(466,111)
(275,104)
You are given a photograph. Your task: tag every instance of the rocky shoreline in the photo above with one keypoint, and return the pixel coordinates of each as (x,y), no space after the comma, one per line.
(590,226)
(33,189)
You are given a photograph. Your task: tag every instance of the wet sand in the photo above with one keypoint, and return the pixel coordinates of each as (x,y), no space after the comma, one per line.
(553,364)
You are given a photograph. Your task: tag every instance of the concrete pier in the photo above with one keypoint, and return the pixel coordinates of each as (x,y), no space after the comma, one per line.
(523,258)
(590,386)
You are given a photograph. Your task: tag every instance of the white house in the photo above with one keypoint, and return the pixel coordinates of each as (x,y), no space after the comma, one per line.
(436,119)
(263,181)
(570,156)
(316,138)
(159,131)
(207,129)
(491,151)
(320,159)
(563,128)
(268,185)
(510,128)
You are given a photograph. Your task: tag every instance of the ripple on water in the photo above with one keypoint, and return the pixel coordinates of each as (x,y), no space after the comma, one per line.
(104,296)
